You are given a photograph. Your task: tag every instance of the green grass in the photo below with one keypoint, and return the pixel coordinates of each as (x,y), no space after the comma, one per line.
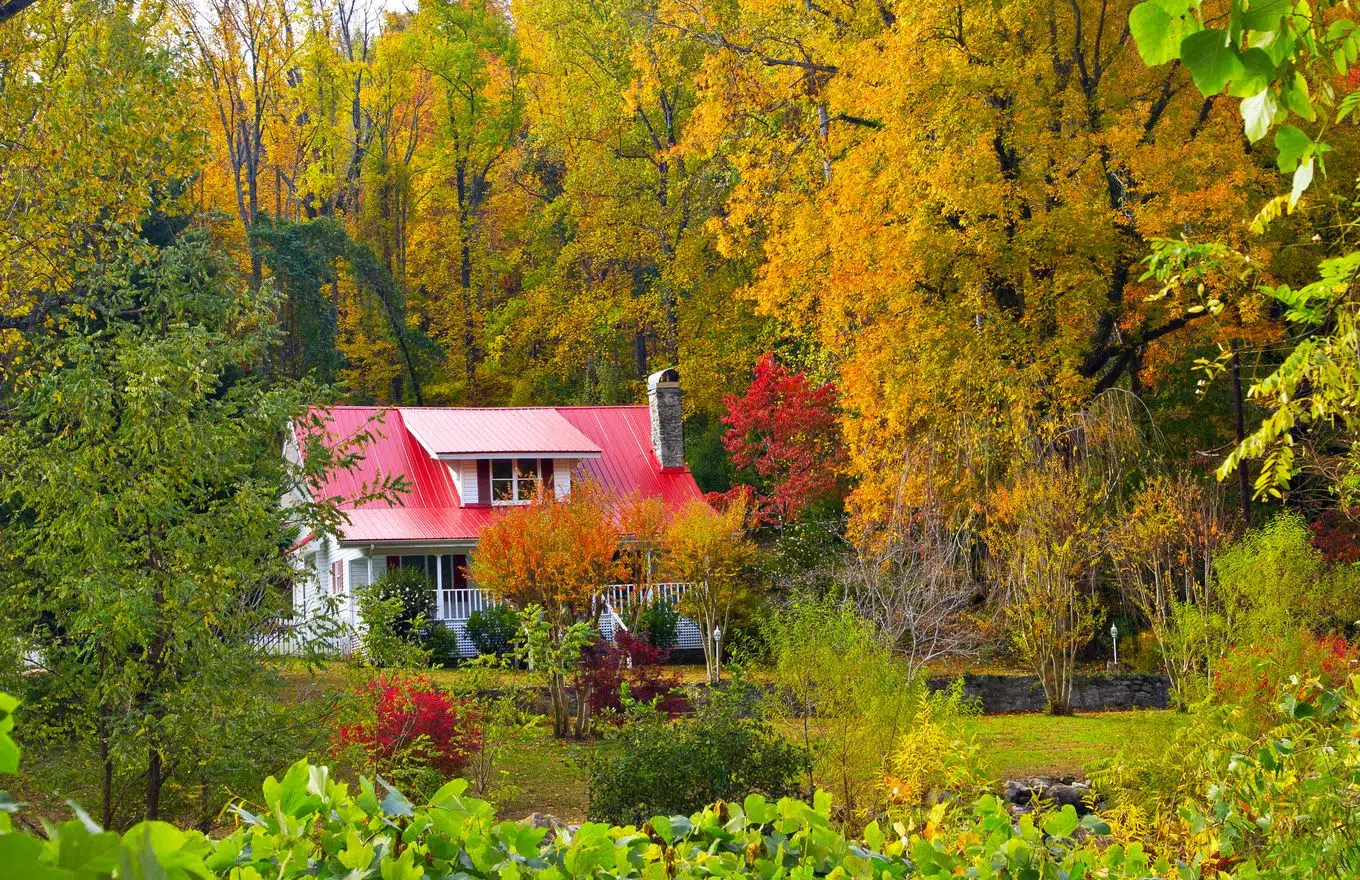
(547,776)
(544,775)
(1020,746)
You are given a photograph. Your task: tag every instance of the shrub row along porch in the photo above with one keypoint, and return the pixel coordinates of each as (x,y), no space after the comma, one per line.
(455,601)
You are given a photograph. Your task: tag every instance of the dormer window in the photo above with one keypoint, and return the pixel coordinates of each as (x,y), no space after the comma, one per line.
(514,480)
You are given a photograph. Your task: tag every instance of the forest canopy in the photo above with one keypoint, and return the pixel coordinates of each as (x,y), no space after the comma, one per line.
(935,210)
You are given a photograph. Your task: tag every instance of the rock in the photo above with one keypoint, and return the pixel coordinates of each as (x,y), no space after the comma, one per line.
(1074,795)
(1017,793)
(545,820)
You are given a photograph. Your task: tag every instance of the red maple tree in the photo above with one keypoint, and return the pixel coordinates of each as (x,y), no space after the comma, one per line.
(785,430)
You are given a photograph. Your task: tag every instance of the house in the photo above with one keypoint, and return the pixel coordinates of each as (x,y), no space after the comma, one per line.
(465,466)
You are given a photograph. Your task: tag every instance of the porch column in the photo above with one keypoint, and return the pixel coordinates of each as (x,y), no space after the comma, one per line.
(439,588)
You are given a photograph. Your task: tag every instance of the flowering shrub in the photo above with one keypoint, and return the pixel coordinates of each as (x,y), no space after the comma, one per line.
(638,663)
(406,725)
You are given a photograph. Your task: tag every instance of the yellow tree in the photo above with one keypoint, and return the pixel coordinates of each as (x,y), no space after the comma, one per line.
(625,199)
(554,557)
(993,174)
(709,551)
(95,135)
(469,53)
(244,52)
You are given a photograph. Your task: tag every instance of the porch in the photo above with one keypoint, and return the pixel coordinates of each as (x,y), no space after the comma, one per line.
(454,605)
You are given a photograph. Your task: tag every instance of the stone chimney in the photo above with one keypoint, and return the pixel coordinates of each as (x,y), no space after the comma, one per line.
(668,433)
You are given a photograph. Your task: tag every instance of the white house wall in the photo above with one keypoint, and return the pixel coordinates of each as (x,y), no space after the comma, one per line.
(468,488)
(562,468)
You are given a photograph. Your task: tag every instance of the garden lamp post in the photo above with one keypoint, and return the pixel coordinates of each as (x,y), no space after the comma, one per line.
(717,654)
(1114,640)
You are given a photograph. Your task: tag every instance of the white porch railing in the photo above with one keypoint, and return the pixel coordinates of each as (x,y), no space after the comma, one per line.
(456,604)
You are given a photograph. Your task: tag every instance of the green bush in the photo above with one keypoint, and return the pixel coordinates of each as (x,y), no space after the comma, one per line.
(413,590)
(724,751)
(442,643)
(661,622)
(493,630)
(381,642)
(1273,581)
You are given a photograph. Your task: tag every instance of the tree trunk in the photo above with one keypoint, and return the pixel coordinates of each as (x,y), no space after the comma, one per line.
(106,761)
(154,780)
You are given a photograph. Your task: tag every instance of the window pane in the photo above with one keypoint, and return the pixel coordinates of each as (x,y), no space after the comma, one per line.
(413,562)
(446,563)
(528,478)
(502,490)
(502,468)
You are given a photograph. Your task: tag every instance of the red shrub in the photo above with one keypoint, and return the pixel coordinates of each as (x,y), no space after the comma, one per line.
(1336,534)
(607,668)
(410,720)
(1255,676)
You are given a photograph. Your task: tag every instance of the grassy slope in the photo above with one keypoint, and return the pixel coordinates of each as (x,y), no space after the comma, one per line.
(1020,746)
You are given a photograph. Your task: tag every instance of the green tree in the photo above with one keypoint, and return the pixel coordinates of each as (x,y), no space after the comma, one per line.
(144,529)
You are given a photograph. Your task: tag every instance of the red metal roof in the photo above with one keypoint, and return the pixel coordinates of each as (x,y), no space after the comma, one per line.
(488,432)
(431,512)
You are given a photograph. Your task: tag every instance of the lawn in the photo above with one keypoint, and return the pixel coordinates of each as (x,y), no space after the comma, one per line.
(543,775)
(1020,746)
(549,776)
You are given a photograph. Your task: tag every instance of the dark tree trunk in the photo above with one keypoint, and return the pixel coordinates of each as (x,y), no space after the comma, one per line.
(11,8)
(640,353)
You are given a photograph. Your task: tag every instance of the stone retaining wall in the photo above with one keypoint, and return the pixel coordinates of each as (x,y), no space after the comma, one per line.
(1001,694)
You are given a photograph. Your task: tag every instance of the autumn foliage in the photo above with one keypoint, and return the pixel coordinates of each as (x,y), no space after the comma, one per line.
(557,553)
(786,430)
(407,720)
(638,664)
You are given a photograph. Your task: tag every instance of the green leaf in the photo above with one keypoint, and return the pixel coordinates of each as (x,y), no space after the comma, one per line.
(1293,144)
(873,836)
(1158,30)
(449,793)
(1303,176)
(1093,823)
(1264,15)
(680,826)
(80,850)
(1062,823)
(1212,60)
(395,804)
(1257,72)
(21,856)
(9,750)
(1258,112)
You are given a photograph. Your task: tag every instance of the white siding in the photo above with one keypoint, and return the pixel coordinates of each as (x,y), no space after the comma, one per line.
(349,603)
(562,468)
(456,472)
(468,492)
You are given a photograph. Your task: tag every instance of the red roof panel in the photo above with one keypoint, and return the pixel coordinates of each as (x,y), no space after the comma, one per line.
(432,512)
(479,433)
